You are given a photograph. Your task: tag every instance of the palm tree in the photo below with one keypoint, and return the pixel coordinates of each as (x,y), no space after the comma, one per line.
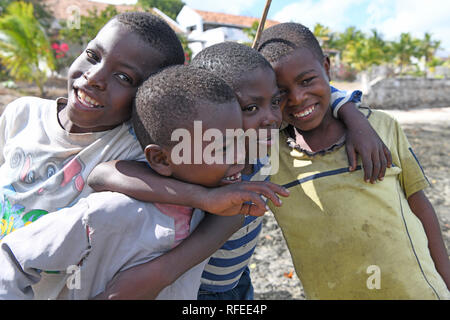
(323,34)
(427,48)
(405,49)
(24,47)
(350,35)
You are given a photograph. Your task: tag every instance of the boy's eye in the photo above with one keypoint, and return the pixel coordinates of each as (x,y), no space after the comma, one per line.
(276,102)
(250,108)
(307,81)
(124,77)
(92,55)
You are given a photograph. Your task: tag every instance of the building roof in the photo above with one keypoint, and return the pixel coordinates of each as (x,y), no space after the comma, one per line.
(230,19)
(61,9)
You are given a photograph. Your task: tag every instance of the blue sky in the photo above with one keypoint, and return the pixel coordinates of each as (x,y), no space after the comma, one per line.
(389,17)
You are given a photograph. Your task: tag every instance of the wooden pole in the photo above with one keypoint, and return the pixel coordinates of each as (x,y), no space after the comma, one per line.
(261,24)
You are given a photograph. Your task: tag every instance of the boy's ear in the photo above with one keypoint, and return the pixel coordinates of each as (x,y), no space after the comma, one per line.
(327,66)
(158,159)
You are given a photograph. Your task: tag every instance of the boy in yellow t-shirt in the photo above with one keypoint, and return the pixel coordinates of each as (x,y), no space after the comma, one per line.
(348,239)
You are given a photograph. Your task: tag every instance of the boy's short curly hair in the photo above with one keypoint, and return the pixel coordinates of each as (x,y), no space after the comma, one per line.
(230,61)
(281,39)
(173,98)
(157,33)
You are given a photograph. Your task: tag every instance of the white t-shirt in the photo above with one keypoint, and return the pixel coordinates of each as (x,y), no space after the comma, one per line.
(86,245)
(44,168)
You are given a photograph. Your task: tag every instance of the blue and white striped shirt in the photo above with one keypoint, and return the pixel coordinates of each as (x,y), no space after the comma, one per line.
(226,265)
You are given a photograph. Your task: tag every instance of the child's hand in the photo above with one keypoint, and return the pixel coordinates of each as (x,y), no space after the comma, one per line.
(361,138)
(242,198)
(375,156)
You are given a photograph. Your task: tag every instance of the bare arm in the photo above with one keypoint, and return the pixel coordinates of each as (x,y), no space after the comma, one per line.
(145,281)
(362,139)
(423,209)
(137,180)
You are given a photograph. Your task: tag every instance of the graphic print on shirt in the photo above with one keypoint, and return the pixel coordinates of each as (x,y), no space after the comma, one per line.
(36,181)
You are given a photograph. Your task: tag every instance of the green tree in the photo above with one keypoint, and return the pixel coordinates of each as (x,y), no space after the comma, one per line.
(350,35)
(169,7)
(89,26)
(41,11)
(365,52)
(24,47)
(323,34)
(427,49)
(250,32)
(406,48)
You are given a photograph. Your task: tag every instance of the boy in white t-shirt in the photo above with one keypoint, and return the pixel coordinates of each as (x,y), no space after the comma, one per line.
(48,148)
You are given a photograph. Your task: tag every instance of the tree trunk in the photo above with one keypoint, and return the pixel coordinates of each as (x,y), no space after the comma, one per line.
(40,85)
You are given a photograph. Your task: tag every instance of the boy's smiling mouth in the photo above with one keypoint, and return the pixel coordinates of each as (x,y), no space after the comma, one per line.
(306,112)
(86,100)
(232,178)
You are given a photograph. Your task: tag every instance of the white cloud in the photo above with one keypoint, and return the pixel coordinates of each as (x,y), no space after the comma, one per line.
(330,13)
(229,6)
(389,17)
(418,17)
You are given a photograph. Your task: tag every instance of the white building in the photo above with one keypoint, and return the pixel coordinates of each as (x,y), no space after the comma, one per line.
(204,28)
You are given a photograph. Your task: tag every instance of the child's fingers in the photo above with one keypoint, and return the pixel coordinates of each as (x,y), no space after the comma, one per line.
(383,162)
(252,210)
(254,206)
(367,166)
(278,189)
(387,154)
(269,190)
(351,156)
(376,167)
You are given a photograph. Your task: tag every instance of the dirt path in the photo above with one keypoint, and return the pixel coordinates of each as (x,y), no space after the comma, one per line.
(428,131)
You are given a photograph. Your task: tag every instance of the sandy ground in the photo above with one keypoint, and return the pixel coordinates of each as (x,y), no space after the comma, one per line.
(428,131)
(271,266)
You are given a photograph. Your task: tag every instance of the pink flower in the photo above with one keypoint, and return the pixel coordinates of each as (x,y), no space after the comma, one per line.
(64,47)
(55,46)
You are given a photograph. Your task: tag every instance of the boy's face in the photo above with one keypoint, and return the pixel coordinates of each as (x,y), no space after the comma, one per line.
(104,79)
(259,98)
(304,87)
(215,174)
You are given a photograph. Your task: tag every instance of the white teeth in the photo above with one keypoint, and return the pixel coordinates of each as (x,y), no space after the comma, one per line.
(88,101)
(304,113)
(234,177)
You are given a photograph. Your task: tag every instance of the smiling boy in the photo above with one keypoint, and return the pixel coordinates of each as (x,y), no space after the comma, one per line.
(337,228)
(48,148)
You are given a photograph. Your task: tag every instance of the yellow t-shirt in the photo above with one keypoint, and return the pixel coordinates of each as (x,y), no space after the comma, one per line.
(355,240)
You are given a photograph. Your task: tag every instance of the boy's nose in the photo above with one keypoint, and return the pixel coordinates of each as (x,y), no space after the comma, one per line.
(296,97)
(95,78)
(271,118)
